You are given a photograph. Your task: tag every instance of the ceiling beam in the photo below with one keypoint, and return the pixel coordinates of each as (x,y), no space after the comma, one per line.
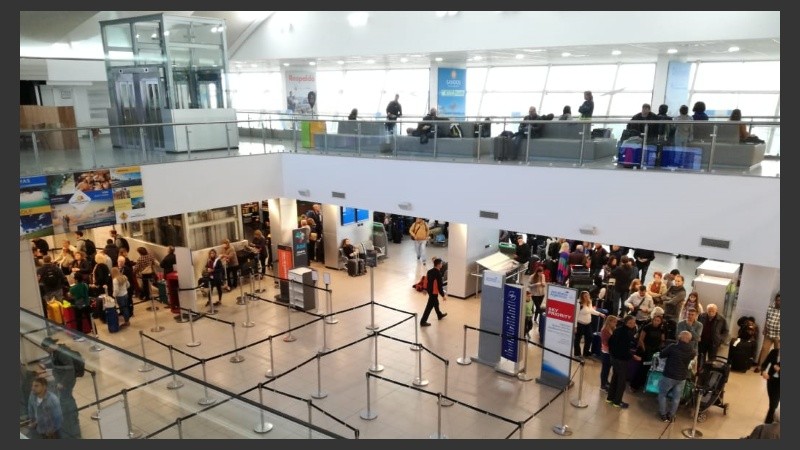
(234,46)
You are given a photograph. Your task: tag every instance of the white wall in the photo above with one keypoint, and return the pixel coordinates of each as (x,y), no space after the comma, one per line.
(465,245)
(326,34)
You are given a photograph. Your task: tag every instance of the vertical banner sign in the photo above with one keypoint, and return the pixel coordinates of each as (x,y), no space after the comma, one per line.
(512,321)
(491,318)
(452,98)
(285,264)
(558,336)
(301,91)
(299,247)
(126,185)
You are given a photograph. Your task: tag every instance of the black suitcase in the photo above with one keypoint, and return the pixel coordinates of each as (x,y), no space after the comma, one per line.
(596,344)
(356,267)
(502,146)
(741,355)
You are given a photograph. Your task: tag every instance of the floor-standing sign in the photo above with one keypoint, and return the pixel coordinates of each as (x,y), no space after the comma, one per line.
(285,264)
(558,336)
(491,318)
(513,322)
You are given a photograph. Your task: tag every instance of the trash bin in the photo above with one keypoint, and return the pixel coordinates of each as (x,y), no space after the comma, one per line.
(172,292)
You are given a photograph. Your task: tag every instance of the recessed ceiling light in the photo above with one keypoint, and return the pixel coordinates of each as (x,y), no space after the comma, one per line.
(438,59)
(672,51)
(358,18)
(312,63)
(519,56)
(137,36)
(154,36)
(370,61)
(616,52)
(340,62)
(566,54)
(733,48)
(404,60)
(478,57)
(285,64)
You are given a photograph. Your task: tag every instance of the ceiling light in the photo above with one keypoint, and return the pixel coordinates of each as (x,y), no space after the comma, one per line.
(370,61)
(154,36)
(616,52)
(535,50)
(340,62)
(137,36)
(519,56)
(404,60)
(166,33)
(733,48)
(312,63)
(566,54)
(358,18)
(672,51)
(285,64)
(415,56)
(213,29)
(438,59)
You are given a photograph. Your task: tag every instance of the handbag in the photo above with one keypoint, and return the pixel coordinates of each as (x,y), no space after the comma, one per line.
(312,237)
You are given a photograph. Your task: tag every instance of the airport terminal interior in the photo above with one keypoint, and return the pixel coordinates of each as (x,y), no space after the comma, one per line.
(353,362)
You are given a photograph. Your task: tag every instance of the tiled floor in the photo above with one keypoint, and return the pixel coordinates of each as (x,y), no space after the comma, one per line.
(335,359)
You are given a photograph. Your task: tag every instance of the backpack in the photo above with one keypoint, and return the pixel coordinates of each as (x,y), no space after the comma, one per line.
(52,277)
(455,131)
(77,359)
(91,250)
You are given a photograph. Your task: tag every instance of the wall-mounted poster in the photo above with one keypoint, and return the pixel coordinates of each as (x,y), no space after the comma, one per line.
(126,184)
(81,200)
(301,91)
(35,218)
(452,98)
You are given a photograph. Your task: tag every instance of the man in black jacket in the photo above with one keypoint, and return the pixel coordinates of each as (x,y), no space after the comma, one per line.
(620,346)
(676,370)
(643,259)
(715,330)
(393,111)
(435,287)
(638,128)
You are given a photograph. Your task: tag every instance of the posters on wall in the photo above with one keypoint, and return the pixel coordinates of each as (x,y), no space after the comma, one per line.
(65,203)
(452,92)
(301,91)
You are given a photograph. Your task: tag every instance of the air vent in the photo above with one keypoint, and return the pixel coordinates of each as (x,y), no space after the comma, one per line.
(337,194)
(488,214)
(717,243)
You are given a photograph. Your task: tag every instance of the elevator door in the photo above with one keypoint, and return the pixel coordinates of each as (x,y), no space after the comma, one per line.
(139,100)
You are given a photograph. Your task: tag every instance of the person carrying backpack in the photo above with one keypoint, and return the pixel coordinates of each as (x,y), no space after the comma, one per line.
(51,279)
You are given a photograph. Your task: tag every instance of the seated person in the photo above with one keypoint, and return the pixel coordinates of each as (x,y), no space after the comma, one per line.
(350,251)
(427,126)
(483,129)
(744,135)
(535,129)
(353,114)
(652,129)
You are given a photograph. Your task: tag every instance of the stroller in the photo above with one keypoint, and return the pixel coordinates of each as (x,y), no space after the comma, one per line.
(711,383)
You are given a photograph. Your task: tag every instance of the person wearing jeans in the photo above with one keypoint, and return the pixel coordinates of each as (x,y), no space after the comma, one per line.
(419,232)
(676,369)
(609,326)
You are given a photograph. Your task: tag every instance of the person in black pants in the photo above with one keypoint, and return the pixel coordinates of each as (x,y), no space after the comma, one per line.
(620,346)
(434,288)
(214,274)
(771,371)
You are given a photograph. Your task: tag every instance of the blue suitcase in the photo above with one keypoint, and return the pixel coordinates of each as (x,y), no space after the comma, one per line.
(112,320)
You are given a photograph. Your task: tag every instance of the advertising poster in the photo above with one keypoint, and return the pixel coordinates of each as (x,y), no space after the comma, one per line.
(81,200)
(35,218)
(126,185)
(299,248)
(452,92)
(285,264)
(558,335)
(301,91)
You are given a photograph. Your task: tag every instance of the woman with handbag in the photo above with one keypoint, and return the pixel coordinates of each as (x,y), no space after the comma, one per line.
(214,272)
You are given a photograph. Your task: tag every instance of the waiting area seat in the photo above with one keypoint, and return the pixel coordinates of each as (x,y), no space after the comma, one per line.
(729,153)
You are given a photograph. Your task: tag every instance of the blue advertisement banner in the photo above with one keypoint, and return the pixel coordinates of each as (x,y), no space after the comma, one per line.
(512,305)
(452,92)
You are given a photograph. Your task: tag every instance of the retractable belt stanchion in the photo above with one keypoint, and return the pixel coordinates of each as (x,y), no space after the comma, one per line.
(416,347)
(236,358)
(132,432)
(563,429)
(96,414)
(375,368)
(579,403)
(368,414)
(145,367)
(262,426)
(465,360)
(206,400)
(320,393)
(175,383)
(95,346)
(193,342)
(241,300)
(694,433)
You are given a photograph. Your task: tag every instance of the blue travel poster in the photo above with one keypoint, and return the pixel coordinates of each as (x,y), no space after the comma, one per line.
(35,218)
(452,92)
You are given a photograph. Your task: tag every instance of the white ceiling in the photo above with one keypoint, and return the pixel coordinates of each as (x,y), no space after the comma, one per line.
(78,33)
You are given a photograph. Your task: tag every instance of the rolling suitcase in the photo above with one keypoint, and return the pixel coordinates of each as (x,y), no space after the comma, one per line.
(741,354)
(352,267)
(502,146)
(112,319)
(68,315)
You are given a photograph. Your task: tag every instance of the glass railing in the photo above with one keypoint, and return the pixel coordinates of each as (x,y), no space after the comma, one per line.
(602,142)
(161,396)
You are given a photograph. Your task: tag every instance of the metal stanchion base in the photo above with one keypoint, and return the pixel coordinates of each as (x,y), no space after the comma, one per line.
(579,403)
(372,327)
(96,416)
(376,368)
(269,374)
(237,358)
(157,329)
(241,300)
(264,427)
(248,324)
(211,313)
(96,348)
(289,338)
(692,433)
(320,394)
(420,382)
(465,361)
(192,344)
(368,415)
(438,436)
(331,320)
(78,339)
(146,368)
(135,434)
(522,376)
(206,401)
(175,384)
(152,308)
(562,430)
(416,348)
(445,403)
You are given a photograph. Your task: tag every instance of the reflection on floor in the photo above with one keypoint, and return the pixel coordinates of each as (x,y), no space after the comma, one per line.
(358,375)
